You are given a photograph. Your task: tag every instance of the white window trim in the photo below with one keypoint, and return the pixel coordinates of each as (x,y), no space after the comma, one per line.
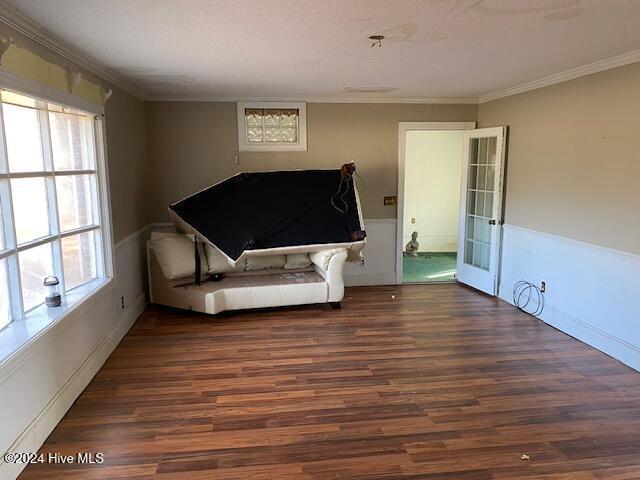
(299,146)
(87,292)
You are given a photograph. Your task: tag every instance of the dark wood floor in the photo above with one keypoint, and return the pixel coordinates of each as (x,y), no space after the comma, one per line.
(404,382)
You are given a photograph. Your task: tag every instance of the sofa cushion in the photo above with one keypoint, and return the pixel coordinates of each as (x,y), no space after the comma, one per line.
(323,257)
(297,261)
(175,253)
(261,291)
(218,263)
(265,262)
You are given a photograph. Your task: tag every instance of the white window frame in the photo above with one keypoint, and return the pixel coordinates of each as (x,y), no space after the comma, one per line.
(104,241)
(299,146)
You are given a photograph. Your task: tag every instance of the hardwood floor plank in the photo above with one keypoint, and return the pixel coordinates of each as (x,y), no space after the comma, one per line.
(414,382)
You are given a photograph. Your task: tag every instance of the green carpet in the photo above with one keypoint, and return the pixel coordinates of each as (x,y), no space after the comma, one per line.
(429,267)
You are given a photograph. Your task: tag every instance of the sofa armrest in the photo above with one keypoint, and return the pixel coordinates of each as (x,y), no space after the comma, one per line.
(329,264)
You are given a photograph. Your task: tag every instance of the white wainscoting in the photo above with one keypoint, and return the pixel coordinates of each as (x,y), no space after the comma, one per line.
(40,384)
(592,293)
(379,256)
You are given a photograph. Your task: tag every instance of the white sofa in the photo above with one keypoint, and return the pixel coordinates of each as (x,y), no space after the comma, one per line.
(320,282)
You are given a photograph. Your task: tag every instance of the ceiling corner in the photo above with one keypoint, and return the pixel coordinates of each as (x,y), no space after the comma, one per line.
(27,27)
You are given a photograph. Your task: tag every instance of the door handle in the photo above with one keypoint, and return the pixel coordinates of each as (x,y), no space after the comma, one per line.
(492,222)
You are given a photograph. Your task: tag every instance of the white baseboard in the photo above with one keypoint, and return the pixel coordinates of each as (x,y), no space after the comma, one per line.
(592,291)
(574,327)
(42,426)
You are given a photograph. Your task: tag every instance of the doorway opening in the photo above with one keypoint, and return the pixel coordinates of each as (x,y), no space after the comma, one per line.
(430,161)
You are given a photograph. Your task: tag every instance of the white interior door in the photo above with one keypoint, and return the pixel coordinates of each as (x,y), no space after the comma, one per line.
(481,208)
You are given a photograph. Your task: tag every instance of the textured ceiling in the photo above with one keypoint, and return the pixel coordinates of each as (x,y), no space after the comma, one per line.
(306,49)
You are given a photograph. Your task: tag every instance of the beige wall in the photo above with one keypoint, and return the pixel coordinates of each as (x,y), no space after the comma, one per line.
(192,145)
(573,166)
(125,120)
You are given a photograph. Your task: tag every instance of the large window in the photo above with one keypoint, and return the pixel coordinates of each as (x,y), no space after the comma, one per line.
(50,217)
(276,126)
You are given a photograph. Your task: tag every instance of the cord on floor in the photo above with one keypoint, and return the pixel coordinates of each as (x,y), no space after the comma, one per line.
(525,293)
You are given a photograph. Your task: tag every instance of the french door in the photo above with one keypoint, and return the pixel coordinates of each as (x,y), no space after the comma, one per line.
(481,208)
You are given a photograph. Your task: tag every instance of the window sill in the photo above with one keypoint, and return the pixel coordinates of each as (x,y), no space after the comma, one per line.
(19,334)
(278,147)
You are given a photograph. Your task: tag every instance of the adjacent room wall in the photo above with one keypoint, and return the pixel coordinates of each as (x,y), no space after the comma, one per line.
(42,380)
(572,201)
(433,165)
(192,145)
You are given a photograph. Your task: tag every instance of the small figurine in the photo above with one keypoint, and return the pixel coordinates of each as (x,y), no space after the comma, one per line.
(411,249)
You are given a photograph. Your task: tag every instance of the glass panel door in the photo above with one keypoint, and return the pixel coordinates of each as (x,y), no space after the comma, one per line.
(481,208)
(480,195)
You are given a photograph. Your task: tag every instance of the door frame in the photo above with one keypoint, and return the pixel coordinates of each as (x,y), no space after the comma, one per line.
(403,128)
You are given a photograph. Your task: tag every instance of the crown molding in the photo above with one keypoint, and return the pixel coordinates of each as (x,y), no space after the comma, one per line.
(27,27)
(418,100)
(584,70)
(397,100)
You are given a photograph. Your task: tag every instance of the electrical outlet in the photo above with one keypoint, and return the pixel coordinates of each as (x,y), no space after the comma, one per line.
(122,302)
(543,286)
(362,262)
